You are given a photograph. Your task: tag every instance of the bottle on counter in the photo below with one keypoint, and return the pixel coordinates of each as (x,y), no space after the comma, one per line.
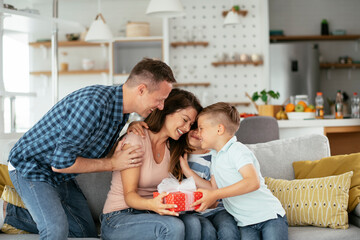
(339,105)
(355,109)
(324,27)
(319,106)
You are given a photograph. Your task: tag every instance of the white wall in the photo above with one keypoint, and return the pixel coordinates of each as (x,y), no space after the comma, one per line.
(304,18)
(193,64)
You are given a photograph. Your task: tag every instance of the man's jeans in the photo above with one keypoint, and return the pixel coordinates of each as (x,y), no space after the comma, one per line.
(273,229)
(56,212)
(140,224)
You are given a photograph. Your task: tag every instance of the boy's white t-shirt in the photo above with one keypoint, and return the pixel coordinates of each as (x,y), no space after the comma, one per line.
(250,208)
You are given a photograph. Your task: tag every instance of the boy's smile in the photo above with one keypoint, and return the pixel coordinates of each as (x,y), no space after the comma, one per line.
(207,132)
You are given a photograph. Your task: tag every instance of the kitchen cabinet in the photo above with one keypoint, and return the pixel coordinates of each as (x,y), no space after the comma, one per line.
(126,52)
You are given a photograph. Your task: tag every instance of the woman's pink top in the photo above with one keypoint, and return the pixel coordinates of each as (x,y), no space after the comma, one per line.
(151,174)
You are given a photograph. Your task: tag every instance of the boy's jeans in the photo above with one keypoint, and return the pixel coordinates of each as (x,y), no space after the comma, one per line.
(56,212)
(273,229)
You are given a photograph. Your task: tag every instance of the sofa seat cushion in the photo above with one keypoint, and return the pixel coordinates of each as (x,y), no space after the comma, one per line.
(310,232)
(320,202)
(333,165)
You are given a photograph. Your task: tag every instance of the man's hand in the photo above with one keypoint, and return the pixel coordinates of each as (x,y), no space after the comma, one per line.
(128,157)
(137,127)
(158,206)
(208,199)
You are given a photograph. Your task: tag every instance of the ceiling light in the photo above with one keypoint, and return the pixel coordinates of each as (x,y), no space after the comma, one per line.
(99,31)
(165,8)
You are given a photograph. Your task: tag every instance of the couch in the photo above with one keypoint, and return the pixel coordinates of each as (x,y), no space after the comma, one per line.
(275,157)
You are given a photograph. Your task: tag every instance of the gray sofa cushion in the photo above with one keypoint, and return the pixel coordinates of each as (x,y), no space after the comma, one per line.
(276,157)
(95,187)
(309,233)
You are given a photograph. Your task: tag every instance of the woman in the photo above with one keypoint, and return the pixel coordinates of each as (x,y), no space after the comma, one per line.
(130,212)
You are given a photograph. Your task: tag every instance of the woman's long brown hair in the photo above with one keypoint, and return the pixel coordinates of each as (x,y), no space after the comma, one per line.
(178,99)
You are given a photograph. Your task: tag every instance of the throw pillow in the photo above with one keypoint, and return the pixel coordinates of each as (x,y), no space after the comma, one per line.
(330,166)
(4,177)
(11,196)
(320,202)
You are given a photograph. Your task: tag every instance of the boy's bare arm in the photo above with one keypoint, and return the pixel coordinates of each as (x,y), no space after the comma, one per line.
(249,183)
(188,172)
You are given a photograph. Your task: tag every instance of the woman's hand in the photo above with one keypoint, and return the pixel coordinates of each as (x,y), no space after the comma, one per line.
(208,199)
(130,156)
(137,127)
(159,207)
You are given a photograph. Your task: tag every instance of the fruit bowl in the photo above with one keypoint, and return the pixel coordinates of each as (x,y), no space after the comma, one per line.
(300,115)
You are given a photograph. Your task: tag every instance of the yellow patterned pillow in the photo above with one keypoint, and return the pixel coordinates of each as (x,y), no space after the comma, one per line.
(320,202)
(11,196)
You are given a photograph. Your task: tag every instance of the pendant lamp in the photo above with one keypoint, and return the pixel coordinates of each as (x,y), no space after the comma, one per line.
(165,8)
(99,31)
(232,17)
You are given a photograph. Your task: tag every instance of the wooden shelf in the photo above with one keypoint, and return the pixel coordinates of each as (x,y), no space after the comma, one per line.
(71,72)
(66,44)
(313,38)
(200,84)
(246,104)
(339,65)
(236,63)
(241,12)
(176,44)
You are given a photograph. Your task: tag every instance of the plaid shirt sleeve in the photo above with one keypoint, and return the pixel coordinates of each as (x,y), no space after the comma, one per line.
(79,121)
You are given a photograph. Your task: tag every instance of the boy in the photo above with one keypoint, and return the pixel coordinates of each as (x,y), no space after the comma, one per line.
(236,172)
(214,223)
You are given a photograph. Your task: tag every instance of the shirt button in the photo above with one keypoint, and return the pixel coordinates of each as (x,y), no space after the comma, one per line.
(106,146)
(115,127)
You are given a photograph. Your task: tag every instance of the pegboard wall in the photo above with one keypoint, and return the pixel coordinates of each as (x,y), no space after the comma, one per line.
(204,22)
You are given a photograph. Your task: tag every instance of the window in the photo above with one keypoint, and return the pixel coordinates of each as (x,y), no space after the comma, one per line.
(16,80)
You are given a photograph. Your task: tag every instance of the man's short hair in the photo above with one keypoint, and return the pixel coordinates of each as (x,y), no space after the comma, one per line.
(150,72)
(225,114)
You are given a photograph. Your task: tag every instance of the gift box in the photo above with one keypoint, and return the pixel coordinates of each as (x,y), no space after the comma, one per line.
(182,200)
(182,194)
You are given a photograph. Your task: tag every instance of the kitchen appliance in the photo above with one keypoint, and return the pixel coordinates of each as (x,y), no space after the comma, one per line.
(294,70)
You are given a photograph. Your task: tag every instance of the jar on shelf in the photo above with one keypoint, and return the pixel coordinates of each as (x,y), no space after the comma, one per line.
(64,63)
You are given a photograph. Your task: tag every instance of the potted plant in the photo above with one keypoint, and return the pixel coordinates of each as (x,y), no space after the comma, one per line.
(265,96)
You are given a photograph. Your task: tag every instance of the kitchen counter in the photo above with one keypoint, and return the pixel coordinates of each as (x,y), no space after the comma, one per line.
(343,134)
(318,123)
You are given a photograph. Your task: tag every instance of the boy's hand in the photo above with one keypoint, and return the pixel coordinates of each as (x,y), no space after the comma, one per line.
(184,163)
(207,200)
(159,207)
(137,127)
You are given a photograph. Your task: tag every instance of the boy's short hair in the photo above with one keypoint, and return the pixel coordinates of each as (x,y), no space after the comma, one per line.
(225,114)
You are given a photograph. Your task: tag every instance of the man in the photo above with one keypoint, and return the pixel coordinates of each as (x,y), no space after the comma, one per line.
(75,136)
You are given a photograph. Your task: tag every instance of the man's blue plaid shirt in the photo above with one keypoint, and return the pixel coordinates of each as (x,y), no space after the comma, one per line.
(85,123)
